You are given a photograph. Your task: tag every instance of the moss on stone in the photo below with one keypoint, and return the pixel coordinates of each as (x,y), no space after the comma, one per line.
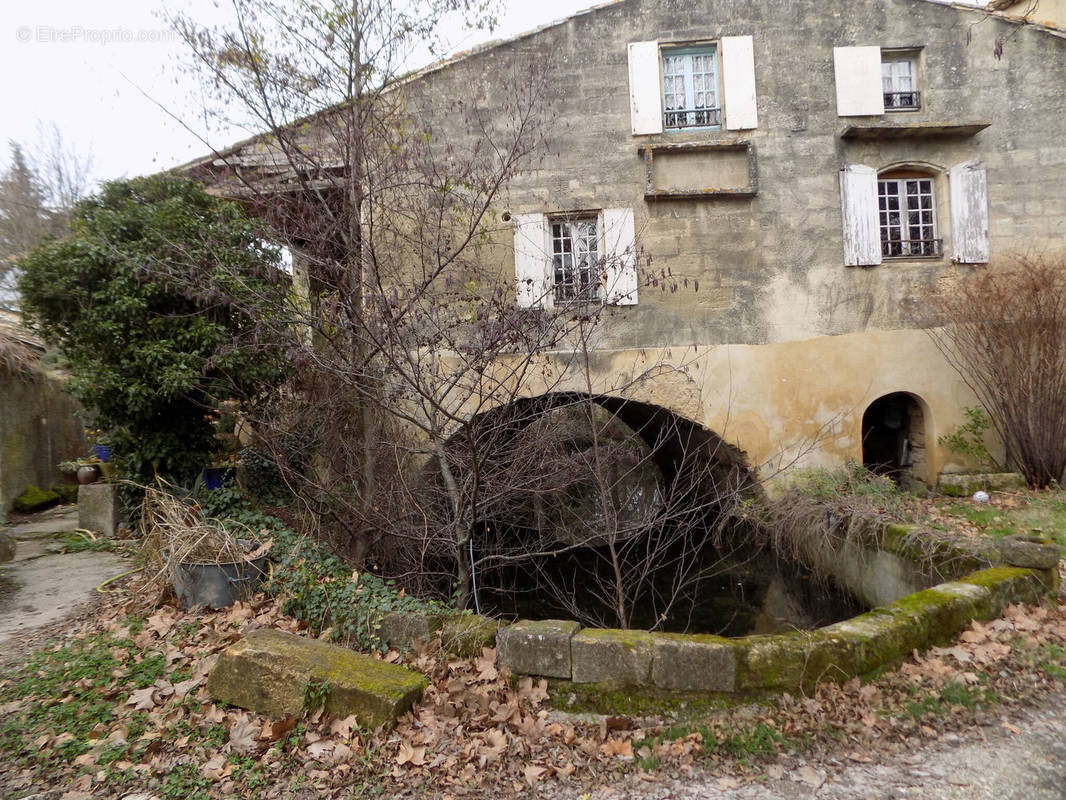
(34,499)
(466,635)
(268,672)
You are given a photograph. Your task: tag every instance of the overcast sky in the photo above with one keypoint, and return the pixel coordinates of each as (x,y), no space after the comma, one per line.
(108,73)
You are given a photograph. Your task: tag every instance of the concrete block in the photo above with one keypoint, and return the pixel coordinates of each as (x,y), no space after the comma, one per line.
(98,508)
(611,655)
(537,648)
(693,663)
(268,672)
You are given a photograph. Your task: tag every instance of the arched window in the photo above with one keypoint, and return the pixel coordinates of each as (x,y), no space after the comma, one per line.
(906,202)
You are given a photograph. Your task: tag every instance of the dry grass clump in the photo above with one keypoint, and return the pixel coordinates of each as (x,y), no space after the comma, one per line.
(17,359)
(176,532)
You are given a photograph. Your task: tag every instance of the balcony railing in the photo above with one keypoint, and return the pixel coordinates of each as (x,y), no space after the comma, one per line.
(906,101)
(693,118)
(912,248)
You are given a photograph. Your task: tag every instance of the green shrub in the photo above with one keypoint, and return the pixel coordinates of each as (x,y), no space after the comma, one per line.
(968,439)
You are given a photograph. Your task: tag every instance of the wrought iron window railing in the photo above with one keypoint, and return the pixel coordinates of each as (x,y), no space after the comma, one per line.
(911,248)
(693,118)
(903,100)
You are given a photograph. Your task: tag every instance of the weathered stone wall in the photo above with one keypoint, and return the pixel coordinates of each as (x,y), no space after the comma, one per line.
(793,345)
(38,429)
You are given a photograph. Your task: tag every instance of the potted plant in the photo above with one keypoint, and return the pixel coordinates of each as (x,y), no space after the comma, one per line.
(207,562)
(69,471)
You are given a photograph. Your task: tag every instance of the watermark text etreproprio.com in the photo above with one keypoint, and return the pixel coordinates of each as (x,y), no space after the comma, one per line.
(79,34)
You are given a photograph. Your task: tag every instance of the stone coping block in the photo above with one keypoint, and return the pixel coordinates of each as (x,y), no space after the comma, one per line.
(958,484)
(537,647)
(616,656)
(402,630)
(783,662)
(1033,552)
(693,662)
(98,508)
(268,672)
(468,634)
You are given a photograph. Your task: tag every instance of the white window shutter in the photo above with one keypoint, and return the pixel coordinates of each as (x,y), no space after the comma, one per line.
(738,75)
(860,91)
(969,213)
(531,261)
(858,206)
(645,93)
(620,249)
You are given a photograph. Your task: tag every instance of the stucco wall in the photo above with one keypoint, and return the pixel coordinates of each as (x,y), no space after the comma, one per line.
(38,429)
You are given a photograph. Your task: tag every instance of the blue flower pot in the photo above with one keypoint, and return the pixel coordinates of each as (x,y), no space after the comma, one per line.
(102,451)
(217,477)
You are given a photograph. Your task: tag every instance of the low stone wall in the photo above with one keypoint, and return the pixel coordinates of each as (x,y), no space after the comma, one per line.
(703,663)
(935,588)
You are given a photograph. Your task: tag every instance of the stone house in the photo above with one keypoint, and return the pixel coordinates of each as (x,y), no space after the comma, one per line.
(815,166)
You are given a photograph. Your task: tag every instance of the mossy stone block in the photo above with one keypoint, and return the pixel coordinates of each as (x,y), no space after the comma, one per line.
(615,656)
(268,672)
(537,648)
(964,485)
(696,663)
(468,634)
(1007,585)
(771,662)
(34,499)
(399,629)
(1031,552)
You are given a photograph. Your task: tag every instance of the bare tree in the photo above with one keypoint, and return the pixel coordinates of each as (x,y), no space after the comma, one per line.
(1004,332)
(37,193)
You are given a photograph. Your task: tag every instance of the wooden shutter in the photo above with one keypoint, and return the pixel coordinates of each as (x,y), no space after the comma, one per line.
(858,79)
(858,207)
(531,261)
(620,251)
(969,213)
(738,76)
(645,92)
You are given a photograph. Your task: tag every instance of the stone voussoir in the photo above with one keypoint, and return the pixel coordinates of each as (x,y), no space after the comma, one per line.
(268,672)
(607,655)
(693,663)
(537,647)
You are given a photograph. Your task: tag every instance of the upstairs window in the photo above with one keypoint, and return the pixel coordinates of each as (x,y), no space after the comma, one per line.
(576,259)
(690,89)
(899,82)
(907,217)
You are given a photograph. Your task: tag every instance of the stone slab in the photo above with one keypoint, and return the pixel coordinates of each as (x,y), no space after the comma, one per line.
(1033,552)
(615,656)
(964,485)
(467,635)
(268,672)
(98,508)
(693,663)
(537,648)
(402,630)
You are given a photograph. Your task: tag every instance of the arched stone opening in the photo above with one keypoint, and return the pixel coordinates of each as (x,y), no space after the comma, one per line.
(894,438)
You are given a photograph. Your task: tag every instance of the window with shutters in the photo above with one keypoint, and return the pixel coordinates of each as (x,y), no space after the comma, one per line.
(576,266)
(899,81)
(679,87)
(906,205)
(575,258)
(690,88)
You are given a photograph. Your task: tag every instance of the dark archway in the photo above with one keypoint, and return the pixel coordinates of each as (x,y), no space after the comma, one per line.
(893,437)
